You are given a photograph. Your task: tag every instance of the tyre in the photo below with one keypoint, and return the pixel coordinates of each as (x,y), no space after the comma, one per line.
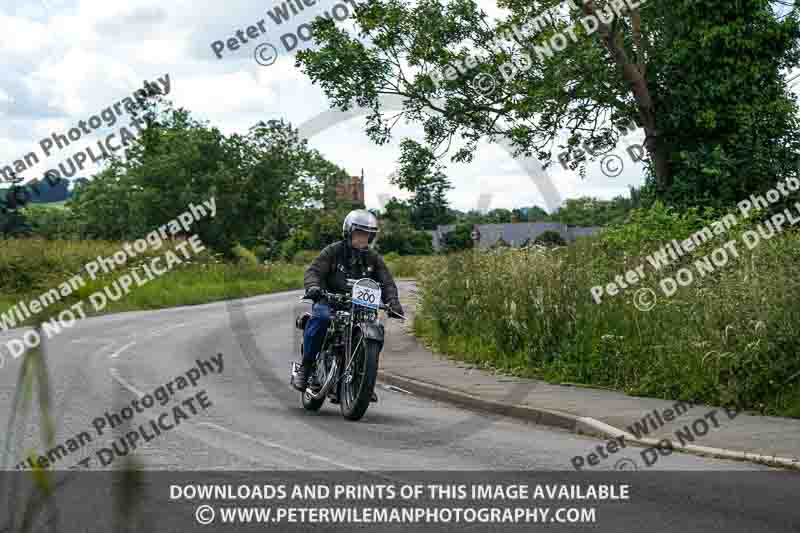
(355,393)
(310,404)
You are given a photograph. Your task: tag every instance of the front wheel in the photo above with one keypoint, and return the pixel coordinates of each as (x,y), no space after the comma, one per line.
(355,388)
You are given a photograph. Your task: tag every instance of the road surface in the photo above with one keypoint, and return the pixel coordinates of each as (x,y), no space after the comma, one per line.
(246,418)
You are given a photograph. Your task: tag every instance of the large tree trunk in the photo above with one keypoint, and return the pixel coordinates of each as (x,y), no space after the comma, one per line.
(634,74)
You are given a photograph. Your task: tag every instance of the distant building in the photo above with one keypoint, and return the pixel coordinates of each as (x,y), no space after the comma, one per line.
(351,190)
(514,234)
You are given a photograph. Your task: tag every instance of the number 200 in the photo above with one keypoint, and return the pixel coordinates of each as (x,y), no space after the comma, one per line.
(366,296)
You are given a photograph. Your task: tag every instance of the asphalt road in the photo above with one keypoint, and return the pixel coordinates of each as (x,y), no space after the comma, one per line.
(253,421)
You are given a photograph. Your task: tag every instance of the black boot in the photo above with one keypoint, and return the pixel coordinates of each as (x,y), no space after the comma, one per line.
(305,371)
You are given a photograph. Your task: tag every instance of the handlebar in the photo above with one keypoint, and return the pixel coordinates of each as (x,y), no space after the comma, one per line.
(346,298)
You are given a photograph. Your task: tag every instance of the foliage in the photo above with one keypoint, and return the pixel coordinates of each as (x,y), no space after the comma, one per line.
(263,183)
(305,257)
(429,206)
(529,214)
(14,224)
(458,239)
(29,267)
(588,212)
(244,256)
(420,174)
(550,238)
(325,227)
(702,79)
(409,266)
(404,240)
(52,222)
(730,126)
(729,338)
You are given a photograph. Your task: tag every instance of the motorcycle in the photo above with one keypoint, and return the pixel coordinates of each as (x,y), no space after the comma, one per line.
(347,363)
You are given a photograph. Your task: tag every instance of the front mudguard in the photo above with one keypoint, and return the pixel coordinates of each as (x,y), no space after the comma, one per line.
(373,332)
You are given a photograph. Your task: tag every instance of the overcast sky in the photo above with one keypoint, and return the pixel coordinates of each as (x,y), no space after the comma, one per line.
(65,60)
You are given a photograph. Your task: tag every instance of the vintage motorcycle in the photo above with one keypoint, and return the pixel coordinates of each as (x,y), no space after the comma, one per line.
(347,363)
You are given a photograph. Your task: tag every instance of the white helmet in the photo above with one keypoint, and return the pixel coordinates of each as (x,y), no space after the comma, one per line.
(360,219)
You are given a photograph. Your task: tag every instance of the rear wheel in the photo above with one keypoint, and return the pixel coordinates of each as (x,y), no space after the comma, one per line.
(355,388)
(309,403)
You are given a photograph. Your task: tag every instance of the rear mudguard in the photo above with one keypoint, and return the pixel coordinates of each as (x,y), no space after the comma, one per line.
(301,321)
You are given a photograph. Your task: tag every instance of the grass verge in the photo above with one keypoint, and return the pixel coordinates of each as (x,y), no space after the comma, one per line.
(728,338)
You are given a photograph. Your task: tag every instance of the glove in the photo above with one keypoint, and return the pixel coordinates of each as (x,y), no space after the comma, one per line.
(314,293)
(396,310)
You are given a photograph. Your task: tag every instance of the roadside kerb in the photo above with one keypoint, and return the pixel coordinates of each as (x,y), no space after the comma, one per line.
(581,425)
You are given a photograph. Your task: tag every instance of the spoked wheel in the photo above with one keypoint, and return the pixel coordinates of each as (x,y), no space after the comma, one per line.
(356,386)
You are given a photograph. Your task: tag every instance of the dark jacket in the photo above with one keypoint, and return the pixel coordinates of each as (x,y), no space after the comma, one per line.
(337,262)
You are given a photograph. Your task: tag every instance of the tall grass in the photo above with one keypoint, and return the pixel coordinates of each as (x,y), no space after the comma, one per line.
(729,338)
(408,266)
(29,267)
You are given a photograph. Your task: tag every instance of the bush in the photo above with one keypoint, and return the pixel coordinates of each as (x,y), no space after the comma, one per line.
(550,238)
(30,267)
(458,239)
(728,338)
(402,239)
(52,222)
(244,256)
(262,253)
(300,240)
(305,257)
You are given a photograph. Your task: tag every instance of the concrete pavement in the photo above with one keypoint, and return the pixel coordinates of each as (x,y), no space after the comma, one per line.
(699,429)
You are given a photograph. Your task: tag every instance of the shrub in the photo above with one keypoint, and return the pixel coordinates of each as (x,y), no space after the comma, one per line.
(402,239)
(300,240)
(52,222)
(244,256)
(458,239)
(305,257)
(728,338)
(550,238)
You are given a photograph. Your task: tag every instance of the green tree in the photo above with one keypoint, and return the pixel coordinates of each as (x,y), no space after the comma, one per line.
(530,214)
(420,174)
(458,239)
(429,206)
(499,216)
(264,183)
(550,238)
(396,211)
(702,78)
(403,239)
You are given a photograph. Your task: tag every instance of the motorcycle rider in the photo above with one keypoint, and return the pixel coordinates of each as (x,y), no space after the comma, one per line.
(353,258)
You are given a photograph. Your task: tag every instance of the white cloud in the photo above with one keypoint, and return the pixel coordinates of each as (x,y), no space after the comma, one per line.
(68,59)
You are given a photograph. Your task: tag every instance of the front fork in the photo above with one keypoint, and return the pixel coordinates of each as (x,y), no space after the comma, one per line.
(371,331)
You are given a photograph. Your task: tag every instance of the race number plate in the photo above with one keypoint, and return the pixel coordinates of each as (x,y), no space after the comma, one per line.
(367,296)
